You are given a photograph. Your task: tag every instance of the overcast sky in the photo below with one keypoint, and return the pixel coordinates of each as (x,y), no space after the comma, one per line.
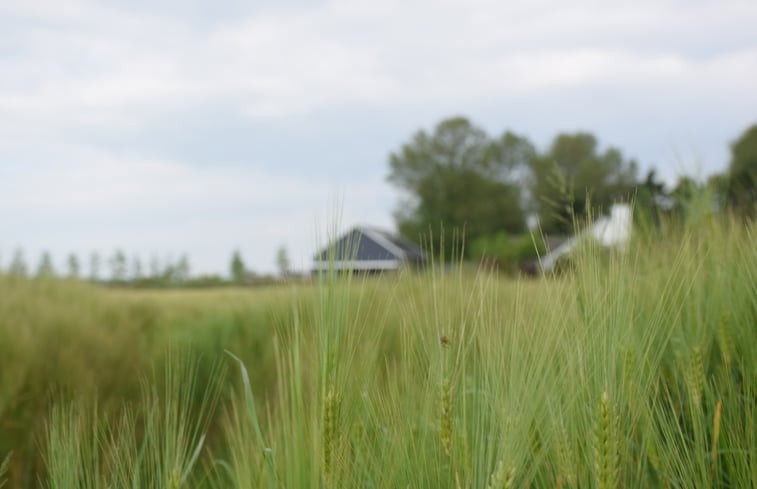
(189,126)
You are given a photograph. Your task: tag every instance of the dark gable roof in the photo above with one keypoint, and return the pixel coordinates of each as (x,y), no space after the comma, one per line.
(411,250)
(364,243)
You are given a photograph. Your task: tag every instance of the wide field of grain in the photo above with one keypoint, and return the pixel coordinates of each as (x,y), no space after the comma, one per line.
(634,369)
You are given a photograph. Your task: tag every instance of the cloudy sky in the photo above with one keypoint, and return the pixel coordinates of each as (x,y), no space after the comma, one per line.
(190,126)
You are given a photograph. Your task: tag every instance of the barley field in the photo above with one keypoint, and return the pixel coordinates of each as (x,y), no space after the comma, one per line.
(635,369)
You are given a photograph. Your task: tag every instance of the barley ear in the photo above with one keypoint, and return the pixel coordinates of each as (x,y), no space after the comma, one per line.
(695,376)
(174,481)
(565,459)
(715,437)
(727,347)
(4,468)
(502,478)
(445,418)
(329,432)
(497,477)
(606,446)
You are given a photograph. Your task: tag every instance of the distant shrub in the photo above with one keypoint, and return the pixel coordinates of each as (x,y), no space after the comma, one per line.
(506,252)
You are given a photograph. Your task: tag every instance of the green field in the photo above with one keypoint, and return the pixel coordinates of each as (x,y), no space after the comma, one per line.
(626,370)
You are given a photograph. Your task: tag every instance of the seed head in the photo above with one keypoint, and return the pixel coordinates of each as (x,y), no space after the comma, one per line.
(445,418)
(606,446)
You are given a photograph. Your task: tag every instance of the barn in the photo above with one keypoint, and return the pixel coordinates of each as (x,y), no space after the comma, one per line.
(368,249)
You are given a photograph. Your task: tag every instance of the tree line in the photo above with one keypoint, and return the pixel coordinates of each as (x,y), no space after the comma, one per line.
(457,177)
(118,269)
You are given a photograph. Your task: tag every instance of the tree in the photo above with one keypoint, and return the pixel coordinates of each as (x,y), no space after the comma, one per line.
(73,266)
(181,269)
(458,178)
(718,183)
(238,270)
(155,267)
(17,266)
(136,268)
(94,266)
(742,173)
(692,200)
(282,261)
(118,266)
(45,267)
(573,173)
(651,199)
(168,274)
(685,191)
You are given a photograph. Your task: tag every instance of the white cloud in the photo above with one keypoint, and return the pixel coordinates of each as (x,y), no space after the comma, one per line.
(106,66)
(94,180)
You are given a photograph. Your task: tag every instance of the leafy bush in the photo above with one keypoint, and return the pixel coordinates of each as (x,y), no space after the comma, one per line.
(507,252)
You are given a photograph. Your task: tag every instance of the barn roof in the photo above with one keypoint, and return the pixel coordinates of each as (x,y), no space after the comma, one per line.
(368,248)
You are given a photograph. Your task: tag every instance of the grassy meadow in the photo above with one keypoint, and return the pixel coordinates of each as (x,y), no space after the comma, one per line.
(634,369)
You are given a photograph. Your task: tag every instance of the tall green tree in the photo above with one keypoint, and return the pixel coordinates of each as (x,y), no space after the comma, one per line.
(456,178)
(282,261)
(17,266)
(156,269)
(182,269)
(573,172)
(94,266)
(694,200)
(742,173)
(651,199)
(118,266)
(136,268)
(684,194)
(237,267)
(45,267)
(73,266)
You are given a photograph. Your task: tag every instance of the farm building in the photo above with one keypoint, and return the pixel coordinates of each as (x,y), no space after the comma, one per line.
(611,231)
(369,250)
